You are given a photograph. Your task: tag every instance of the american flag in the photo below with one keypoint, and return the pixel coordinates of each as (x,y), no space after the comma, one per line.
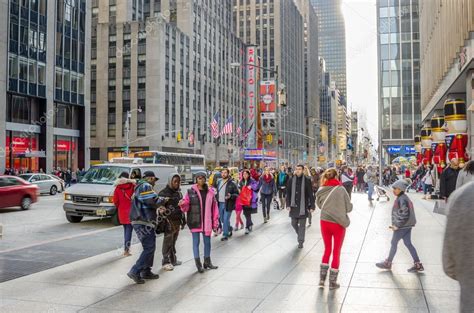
(215,126)
(227,129)
(239,129)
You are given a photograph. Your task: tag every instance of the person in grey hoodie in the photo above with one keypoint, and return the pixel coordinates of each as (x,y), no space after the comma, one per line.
(466,175)
(403,220)
(334,202)
(458,254)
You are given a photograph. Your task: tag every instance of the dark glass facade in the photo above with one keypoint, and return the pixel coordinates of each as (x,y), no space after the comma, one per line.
(399,69)
(27,92)
(332,40)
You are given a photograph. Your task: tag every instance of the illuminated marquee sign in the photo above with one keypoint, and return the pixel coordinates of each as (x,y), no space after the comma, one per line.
(251,95)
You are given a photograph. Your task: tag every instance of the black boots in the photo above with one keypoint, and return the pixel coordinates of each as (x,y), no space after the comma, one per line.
(333,279)
(208,264)
(323,273)
(199,265)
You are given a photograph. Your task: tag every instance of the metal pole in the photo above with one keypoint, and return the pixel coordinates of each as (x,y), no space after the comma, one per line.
(277,113)
(127,130)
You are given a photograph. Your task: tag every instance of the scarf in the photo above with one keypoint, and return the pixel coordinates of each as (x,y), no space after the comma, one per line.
(281,178)
(268,178)
(332,182)
(293,193)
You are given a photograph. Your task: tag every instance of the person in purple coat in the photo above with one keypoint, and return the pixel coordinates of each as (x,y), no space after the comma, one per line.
(248,182)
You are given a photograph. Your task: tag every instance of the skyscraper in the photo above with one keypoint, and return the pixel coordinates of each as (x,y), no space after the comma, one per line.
(168,63)
(276,27)
(332,40)
(44,121)
(399,72)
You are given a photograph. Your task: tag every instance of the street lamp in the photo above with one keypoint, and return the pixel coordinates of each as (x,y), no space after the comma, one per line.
(127,129)
(273,72)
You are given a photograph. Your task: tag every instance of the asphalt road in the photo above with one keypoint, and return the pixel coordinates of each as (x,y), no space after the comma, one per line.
(42,238)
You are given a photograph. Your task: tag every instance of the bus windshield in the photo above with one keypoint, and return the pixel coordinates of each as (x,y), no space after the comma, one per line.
(104,175)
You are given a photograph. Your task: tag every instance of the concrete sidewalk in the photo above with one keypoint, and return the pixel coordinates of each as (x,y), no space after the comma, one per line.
(263,271)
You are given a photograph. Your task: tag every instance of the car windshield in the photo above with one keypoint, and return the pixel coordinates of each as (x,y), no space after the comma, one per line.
(26,176)
(105,175)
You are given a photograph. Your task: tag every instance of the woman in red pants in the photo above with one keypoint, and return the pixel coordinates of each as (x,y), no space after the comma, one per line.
(334,202)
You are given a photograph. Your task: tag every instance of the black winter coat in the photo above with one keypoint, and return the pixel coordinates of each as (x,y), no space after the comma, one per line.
(308,194)
(232,189)
(447,182)
(173,211)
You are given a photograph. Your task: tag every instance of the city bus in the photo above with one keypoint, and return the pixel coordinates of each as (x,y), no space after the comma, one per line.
(186,163)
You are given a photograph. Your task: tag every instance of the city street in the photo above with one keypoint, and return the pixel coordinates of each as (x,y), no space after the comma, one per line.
(263,271)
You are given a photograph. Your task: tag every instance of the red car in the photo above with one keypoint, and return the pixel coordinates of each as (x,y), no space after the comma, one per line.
(14,191)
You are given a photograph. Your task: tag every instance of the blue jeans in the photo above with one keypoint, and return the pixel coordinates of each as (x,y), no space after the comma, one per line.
(225,219)
(147,237)
(405,234)
(371,189)
(127,236)
(221,206)
(427,188)
(207,245)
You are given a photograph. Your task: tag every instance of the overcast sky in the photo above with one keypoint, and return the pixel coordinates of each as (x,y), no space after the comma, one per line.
(361,50)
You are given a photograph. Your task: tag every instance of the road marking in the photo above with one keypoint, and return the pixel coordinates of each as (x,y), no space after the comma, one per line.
(59,239)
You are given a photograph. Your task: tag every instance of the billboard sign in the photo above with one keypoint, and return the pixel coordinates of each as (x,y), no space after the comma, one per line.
(267,96)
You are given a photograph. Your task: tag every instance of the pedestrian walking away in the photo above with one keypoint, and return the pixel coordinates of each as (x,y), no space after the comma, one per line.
(267,190)
(458,255)
(281,185)
(466,175)
(403,220)
(299,201)
(143,218)
(202,218)
(248,182)
(227,193)
(360,179)
(347,180)
(335,204)
(448,179)
(124,188)
(371,178)
(174,220)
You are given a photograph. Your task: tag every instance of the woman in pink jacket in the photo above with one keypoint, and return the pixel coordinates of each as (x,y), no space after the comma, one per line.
(202,215)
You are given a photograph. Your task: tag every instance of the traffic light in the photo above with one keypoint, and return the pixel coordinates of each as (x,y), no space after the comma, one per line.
(269,138)
(280,142)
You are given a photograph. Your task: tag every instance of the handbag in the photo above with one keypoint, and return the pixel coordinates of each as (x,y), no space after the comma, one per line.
(440,207)
(276,205)
(246,196)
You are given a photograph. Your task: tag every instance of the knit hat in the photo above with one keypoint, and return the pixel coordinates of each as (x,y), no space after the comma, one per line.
(401,184)
(200,174)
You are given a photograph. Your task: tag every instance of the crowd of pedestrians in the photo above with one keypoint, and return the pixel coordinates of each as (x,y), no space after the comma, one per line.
(208,210)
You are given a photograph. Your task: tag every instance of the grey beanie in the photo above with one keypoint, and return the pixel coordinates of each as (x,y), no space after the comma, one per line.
(401,184)
(200,173)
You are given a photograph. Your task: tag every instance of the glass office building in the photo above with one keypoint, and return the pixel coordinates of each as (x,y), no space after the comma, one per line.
(399,71)
(332,40)
(44,92)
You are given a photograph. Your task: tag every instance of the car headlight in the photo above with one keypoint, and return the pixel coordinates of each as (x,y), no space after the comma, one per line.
(67,196)
(109,199)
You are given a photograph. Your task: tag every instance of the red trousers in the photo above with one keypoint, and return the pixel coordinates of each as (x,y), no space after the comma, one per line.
(332,232)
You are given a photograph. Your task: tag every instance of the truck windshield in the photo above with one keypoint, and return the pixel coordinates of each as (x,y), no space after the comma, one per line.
(105,175)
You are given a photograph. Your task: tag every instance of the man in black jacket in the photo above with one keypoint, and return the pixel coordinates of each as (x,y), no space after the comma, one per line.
(227,193)
(173,218)
(447,180)
(299,200)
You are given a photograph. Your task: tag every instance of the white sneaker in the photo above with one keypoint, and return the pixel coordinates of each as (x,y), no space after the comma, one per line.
(168,267)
